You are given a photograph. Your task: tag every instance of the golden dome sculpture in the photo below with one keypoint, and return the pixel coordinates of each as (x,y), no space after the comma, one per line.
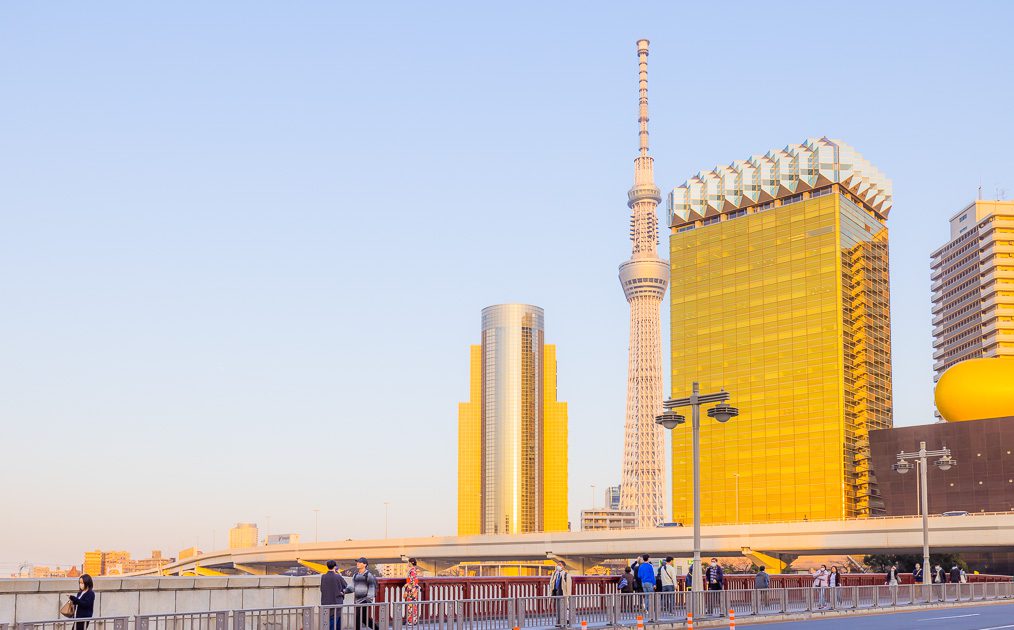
(976,389)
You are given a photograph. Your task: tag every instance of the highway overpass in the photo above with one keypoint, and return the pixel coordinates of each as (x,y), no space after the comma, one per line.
(766,542)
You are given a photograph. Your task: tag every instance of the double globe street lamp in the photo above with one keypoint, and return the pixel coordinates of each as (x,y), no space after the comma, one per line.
(722,412)
(945,463)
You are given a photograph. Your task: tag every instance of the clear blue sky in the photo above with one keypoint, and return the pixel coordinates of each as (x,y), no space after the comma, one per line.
(244,245)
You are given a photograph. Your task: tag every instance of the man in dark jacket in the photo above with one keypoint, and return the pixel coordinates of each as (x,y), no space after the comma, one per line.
(714,580)
(364,590)
(332,593)
(762,582)
(955,574)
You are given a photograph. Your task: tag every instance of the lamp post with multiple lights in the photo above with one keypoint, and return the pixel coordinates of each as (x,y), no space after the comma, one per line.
(946,462)
(669,419)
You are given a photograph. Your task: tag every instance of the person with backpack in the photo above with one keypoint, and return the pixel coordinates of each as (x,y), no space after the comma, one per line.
(626,584)
(364,590)
(626,588)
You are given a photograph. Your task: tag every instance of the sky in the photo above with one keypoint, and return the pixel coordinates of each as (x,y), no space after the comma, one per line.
(244,245)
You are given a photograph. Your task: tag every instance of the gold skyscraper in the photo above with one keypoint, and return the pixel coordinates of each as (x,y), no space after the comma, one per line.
(512,433)
(780,295)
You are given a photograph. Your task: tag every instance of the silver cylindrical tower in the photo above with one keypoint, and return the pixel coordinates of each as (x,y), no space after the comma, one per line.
(512,355)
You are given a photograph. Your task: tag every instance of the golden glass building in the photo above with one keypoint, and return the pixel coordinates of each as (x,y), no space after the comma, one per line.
(512,433)
(780,295)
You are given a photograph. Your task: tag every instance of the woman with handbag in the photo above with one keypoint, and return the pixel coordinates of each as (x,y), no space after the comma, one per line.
(83,602)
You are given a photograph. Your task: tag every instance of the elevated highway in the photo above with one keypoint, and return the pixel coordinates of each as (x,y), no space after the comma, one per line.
(773,543)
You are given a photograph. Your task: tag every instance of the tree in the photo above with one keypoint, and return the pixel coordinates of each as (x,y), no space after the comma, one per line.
(906,562)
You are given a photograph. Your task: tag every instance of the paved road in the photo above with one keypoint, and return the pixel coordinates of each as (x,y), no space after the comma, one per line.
(992,617)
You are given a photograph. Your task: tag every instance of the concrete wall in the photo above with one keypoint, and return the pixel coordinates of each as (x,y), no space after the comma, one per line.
(37,600)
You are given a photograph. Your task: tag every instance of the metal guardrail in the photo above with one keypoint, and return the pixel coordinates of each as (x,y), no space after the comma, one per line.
(89,623)
(597,610)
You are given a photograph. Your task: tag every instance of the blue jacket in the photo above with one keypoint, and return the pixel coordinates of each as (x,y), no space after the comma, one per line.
(647,573)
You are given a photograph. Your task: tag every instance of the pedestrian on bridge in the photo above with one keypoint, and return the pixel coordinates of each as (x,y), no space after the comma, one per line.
(364,590)
(917,574)
(955,574)
(647,574)
(561,586)
(762,582)
(413,593)
(714,580)
(84,601)
(667,582)
(892,576)
(820,586)
(332,594)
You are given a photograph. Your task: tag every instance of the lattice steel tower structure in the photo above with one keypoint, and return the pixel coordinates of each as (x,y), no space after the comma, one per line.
(645,278)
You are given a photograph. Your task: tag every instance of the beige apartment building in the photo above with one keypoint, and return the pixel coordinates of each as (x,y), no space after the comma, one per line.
(973,286)
(607,518)
(243,535)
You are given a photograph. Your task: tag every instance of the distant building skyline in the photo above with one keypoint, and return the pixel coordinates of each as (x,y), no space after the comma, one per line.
(512,433)
(106,563)
(613,497)
(782,297)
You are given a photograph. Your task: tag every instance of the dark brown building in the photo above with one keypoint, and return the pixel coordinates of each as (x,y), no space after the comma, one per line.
(982,480)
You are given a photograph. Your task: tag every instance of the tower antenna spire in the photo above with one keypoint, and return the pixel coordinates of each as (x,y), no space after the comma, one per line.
(642,57)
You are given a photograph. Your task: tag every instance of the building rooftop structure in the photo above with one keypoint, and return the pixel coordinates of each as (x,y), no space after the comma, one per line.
(779,173)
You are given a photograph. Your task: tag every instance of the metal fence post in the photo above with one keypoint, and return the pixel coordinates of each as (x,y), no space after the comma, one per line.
(120,623)
(221,622)
(894,596)
(238,620)
(755,602)
(809,600)
(307,618)
(612,616)
(140,623)
(384,611)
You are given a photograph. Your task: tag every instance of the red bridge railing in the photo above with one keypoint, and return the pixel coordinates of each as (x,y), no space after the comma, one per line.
(471,588)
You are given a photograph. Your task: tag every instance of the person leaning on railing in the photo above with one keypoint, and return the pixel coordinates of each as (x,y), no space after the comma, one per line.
(84,601)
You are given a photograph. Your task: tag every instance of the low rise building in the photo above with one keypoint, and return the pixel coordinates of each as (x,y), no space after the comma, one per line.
(601,519)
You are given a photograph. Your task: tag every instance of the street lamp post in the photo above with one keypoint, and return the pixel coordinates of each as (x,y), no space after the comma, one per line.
(669,419)
(903,466)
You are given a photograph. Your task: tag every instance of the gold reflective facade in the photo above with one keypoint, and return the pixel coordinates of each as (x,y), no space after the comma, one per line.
(512,433)
(785,304)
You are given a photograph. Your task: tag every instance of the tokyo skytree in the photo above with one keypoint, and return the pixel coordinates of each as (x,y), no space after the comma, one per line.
(645,278)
